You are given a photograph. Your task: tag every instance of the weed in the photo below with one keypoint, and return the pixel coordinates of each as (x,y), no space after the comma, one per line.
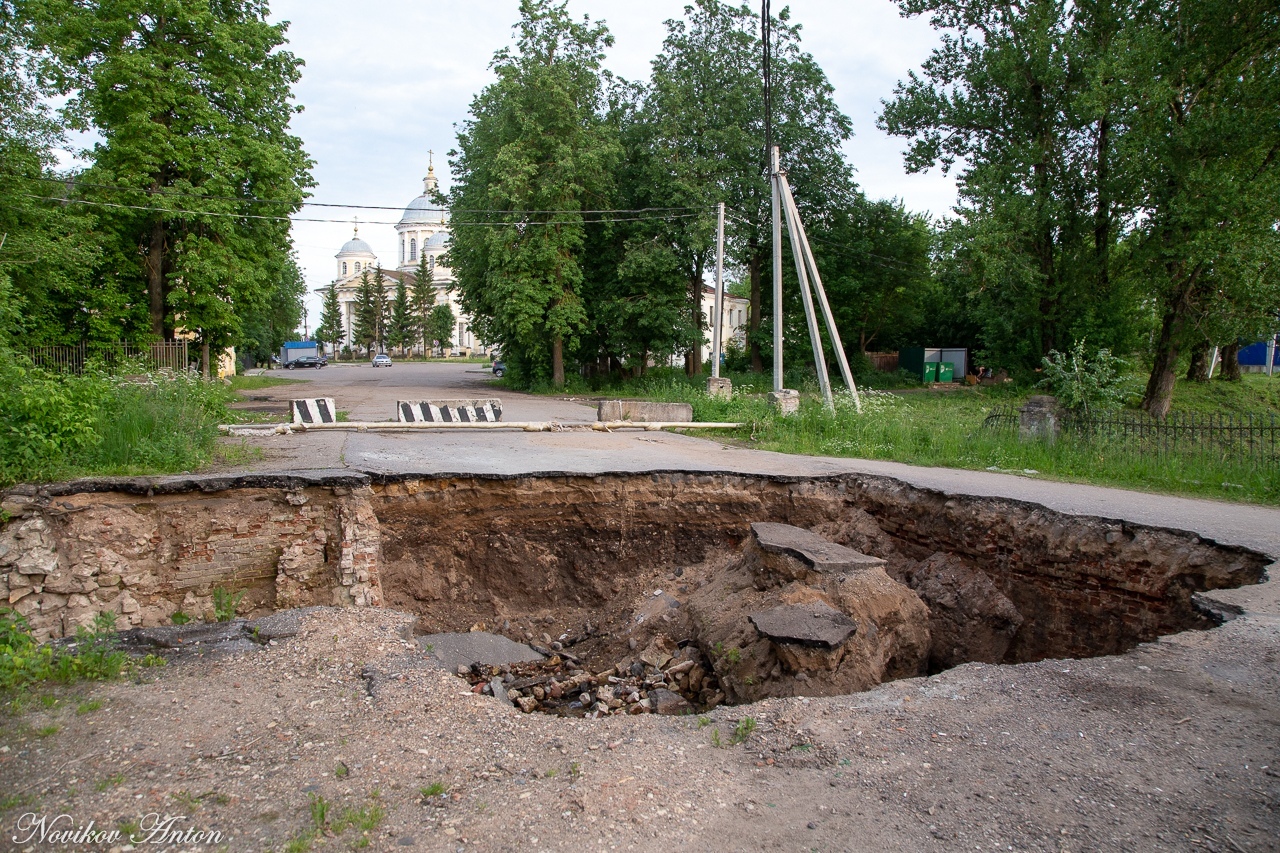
(88,707)
(13,801)
(115,780)
(180,618)
(48,701)
(341,771)
(366,819)
(319,807)
(187,800)
(301,844)
(802,747)
(225,603)
(47,731)
(150,660)
(743,730)
(703,722)
(435,789)
(129,828)
(715,738)
(575,770)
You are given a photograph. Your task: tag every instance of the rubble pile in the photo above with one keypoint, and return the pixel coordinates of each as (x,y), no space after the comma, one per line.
(665,678)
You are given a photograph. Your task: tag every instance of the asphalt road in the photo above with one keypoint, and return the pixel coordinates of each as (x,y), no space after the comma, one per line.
(370,394)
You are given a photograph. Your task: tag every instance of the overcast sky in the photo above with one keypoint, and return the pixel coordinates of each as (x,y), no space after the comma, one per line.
(388,80)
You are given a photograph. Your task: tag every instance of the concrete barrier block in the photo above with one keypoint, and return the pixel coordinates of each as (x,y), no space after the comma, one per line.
(640,410)
(314,410)
(449,411)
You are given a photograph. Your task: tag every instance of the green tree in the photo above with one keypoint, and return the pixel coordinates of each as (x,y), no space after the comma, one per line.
(379,309)
(1202,155)
(191,101)
(1021,95)
(704,122)
(330,330)
(440,324)
(364,314)
(536,150)
(263,332)
(401,329)
(422,298)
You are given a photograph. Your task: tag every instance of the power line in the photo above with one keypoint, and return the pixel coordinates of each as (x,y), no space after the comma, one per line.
(452,224)
(168,193)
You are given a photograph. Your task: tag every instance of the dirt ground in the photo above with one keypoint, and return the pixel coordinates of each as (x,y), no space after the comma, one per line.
(1173,746)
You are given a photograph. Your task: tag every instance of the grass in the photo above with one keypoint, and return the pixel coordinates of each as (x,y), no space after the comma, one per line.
(435,789)
(945,429)
(88,707)
(113,781)
(25,663)
(743,730)
(257,383)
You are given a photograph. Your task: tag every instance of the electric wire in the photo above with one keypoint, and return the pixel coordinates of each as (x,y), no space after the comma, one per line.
(451,224)
(167,193)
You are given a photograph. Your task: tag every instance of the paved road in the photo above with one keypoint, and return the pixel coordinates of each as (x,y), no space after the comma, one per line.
(371,394)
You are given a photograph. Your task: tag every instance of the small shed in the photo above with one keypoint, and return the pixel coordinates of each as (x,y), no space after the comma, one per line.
(297,349)
(914,359)
(1254,358)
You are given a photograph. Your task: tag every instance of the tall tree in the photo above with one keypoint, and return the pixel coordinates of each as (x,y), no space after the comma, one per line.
(422,298)
(705,121)
(264,331)
(440,325)
(364,314)
(401,330)
(535,150)
(330,331)
(379,309)
(190,101)
(1202,81)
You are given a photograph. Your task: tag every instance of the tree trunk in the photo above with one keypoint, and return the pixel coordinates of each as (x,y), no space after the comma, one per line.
(1198,371)
(1230,362)
(693,361)
(1159,394)
(205,370)
(557,362)
(155,279)
(753,322)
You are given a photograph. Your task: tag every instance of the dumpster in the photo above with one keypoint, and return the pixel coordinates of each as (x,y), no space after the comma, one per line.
(929,371)
(946,371)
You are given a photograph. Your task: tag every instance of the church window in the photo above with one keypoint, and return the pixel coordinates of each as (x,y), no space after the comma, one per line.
(357,266)
(413,249)
(431,263)
(344,267)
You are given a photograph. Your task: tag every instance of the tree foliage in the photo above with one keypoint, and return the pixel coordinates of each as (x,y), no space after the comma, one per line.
(536,152)
(191,101)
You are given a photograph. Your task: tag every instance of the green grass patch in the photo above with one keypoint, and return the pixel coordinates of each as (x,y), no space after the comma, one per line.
(257,383)
(88,707)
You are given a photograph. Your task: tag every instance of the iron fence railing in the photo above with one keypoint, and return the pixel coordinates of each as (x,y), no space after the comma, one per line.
(1253,437)
(162,355)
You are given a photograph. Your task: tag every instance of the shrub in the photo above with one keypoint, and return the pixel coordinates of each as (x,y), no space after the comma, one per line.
(92,656)
(1086,384)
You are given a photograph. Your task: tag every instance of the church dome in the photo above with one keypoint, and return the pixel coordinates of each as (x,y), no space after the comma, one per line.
(437,240)
(355,246)
(421,209)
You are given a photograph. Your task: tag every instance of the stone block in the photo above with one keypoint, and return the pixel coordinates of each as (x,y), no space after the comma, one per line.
(719,386)
(643,411)
(1038,419)
(786,401)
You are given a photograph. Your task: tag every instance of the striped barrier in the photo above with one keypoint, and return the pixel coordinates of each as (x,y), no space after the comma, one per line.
(449,411)
(314,410)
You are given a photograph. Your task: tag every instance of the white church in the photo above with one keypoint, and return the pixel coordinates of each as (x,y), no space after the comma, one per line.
(423,233)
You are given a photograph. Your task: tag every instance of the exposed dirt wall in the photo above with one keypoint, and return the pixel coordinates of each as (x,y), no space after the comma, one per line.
(460,551)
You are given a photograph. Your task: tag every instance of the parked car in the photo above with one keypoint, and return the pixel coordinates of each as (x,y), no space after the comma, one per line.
(499,368)
(316,361)
(382,360)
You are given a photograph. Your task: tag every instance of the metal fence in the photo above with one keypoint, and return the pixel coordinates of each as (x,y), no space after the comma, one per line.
(165,355)
(1252,437)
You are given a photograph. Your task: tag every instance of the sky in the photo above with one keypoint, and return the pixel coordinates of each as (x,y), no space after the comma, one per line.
(387,81)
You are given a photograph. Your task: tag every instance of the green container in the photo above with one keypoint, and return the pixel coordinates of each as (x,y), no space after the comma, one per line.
(929,372)
(946,371)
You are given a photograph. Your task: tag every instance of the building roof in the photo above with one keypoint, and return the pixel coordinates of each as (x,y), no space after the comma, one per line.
(437,240)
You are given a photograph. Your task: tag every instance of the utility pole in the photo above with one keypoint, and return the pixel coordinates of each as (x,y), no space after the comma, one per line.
(774,179)
(717,334)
